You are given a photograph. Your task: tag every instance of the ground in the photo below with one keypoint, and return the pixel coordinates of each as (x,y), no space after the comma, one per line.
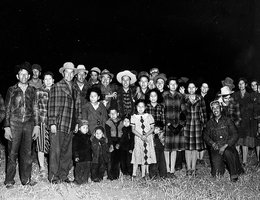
(203,186)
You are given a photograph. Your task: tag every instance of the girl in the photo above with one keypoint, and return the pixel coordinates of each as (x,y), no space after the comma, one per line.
(142,126)
(174,110)
(196,119)
(94,111)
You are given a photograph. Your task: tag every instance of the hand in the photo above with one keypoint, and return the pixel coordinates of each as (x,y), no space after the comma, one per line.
(182,90)
(76,128)
(8,134)
(111,148)
(117,146)
(114,95)
(76,159)
(222,149)
(215,146)
(54,129)
(36,132)
(130,151)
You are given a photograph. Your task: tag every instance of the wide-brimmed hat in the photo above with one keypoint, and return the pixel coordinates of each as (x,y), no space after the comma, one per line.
(37,66)
(143,74)
(228,82)
(67,65)
(225,91)
(160,76)
(95,69)
(126,73)
(81,68)
(105,71)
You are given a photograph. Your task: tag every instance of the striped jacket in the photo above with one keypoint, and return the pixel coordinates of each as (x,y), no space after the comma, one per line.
(64,107)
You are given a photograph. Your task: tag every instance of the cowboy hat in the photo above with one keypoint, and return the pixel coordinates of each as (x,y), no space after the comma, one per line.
(81,68)
(228,82)
(67,65)
(160,76)
(225,91)
(126,73)
(105,71)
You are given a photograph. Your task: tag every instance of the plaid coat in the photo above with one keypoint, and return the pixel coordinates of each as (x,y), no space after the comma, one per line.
(64,107)
(2,108)
(196,120)
(174,106)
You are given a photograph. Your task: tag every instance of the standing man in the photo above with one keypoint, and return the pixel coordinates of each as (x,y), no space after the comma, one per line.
(80,82)
(64,111)
(221,135)
(36,81)
(21,126)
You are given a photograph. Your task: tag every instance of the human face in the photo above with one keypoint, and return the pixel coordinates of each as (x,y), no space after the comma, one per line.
(160,84)
(153,97)
(241,85)
(48,80)
(126,122)
(216,110)
(226,99)
(23,76)
(94,75)
(173,85)
(68,74)
(36,73)
(192,88)
(98,134)
(143,82)
(84,129)
(156,129)
(105,80)
(81,76)
(254,86)
(113,114)
(140,108)
(93,97)
(204,88)
(126,82)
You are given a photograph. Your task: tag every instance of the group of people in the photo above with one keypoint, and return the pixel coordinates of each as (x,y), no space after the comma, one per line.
(144,119)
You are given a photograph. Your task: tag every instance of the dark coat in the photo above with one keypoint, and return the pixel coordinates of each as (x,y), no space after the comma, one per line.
(81,147)
(99,148)
(127,139)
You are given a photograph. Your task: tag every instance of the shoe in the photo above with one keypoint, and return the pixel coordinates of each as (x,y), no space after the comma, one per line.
(244,164)
(133,178)
(42,173)
(234,179)
(9,185)
(96,180)
(188,172)
(56,181)
(67,181)
(31,183)
(177,168)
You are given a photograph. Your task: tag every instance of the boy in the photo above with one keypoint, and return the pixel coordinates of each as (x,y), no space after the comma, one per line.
(100,154)
(82,153)
(114,132)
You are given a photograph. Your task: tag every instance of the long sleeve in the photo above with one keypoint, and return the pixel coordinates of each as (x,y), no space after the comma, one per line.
(233,135)
(8,107)
(2,108)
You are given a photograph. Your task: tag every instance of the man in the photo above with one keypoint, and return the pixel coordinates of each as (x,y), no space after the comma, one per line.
(36,81)
(94,77)
(80,83)
(125,94)
(21,126)
(221,135)
(64,111)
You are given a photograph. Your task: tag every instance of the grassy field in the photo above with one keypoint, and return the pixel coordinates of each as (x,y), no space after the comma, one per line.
(203,186)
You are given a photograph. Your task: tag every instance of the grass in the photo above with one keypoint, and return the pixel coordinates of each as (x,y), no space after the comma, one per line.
(200,187)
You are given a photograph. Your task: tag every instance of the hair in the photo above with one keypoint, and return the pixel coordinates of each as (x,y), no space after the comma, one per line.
(159,95)
(94,89)
(140,101)
(172,78)
(159,124)
(255,80)
(243,79)
(48,73)
(99,128)
(112,108)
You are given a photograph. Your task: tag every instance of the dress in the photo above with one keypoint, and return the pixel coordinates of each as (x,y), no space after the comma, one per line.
(144,152)
(196,119)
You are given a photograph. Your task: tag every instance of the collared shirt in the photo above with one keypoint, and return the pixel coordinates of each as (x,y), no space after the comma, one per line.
(37,84)
(157,112)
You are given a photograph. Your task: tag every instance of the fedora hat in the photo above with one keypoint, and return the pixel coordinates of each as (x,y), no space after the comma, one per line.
(225,91)
(126,73)
(95,69)
(160,76)
(81,68)
(228,82)
(105,71)
(67,65)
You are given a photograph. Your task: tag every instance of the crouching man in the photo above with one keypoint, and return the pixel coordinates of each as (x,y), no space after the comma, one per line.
(221,135)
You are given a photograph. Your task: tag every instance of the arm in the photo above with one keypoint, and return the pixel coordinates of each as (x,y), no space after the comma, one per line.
(2,108)
(232,132)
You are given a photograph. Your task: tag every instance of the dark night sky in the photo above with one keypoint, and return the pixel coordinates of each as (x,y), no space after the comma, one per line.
(195,38)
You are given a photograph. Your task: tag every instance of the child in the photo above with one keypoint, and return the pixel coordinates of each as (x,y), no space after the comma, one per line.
(100,154)
(114,132)
(160,167)
(82,153)
(94,111)
(142,126)
(126,147)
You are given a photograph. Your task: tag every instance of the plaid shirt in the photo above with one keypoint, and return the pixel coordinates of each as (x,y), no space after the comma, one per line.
(2,108)
(157,112)
(42,97)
